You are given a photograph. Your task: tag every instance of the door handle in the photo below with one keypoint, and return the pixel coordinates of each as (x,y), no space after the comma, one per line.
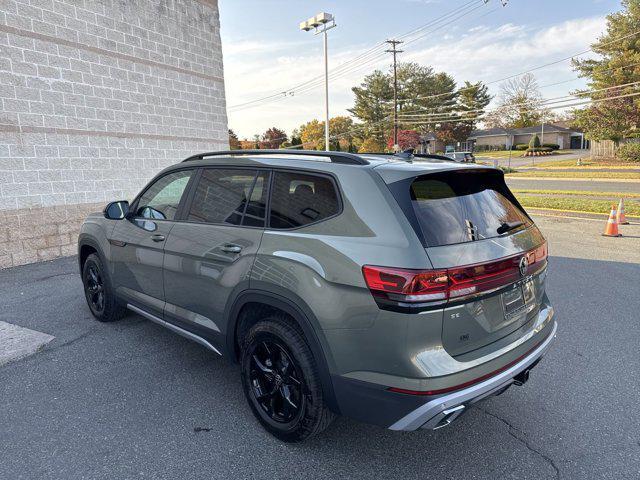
(231,248)
(157,238)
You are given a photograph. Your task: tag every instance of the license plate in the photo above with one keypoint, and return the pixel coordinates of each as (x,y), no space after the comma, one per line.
(513,300)
(516,299)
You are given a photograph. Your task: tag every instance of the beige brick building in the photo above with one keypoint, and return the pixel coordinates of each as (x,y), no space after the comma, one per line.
(98,96)
(501,138)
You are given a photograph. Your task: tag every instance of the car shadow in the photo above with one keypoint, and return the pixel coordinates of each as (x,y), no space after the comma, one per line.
(133,390)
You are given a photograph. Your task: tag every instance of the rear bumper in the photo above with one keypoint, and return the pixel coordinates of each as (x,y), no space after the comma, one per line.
(443,410)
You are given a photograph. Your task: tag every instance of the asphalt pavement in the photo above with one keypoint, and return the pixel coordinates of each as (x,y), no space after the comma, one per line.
(132,400)
(600,185)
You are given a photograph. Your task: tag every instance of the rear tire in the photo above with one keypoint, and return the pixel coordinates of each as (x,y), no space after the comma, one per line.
(99,292)
(281,382)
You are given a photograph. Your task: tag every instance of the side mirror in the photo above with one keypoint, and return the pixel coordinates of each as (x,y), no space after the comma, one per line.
(116,210)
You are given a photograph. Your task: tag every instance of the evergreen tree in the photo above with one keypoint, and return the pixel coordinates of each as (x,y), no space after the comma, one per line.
(473,98)
(420,90)
(618,118)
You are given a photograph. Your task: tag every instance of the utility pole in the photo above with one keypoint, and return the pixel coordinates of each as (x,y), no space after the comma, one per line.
(395,51)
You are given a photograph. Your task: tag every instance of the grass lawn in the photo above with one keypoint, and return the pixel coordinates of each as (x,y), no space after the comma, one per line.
(632,207)
(581,175)
(583,193)
(587,163)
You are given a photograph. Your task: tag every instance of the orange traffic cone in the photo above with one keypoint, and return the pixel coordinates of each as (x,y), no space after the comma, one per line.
(622,220)
(612,224)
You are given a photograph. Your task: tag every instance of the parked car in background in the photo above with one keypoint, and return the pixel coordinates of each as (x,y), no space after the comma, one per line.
(462,157)
(391,291)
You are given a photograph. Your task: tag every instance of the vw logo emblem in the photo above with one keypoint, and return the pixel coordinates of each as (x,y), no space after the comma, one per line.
(524,263)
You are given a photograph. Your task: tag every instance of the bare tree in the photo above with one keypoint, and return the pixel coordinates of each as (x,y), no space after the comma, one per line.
(520,104)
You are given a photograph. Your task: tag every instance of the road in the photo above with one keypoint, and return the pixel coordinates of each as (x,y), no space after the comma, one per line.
(560,184)
(132,400)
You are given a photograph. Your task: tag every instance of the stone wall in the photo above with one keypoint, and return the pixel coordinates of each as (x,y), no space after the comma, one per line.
(98,96)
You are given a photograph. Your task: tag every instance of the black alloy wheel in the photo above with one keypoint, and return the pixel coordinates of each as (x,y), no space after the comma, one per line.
(276,382)
(98,291)
(281,381)
(94,288)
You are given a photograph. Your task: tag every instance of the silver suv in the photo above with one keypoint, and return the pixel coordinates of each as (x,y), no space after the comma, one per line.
(395,290)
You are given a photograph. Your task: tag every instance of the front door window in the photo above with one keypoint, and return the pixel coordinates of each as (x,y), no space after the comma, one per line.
(161,200)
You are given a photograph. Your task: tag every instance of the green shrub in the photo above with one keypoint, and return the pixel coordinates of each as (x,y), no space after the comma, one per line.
(540,150)
(629,152)
(534,142)
(552,146)
(508,169)
(522,146)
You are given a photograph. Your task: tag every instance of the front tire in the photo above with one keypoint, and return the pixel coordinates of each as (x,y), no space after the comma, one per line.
(98,291)
(281,381)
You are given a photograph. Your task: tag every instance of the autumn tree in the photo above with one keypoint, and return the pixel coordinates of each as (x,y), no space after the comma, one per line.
(371,145)
(295,137)
(342,133)
(453,132)
(312,135)
(273,138)
(406,139)
(234,143)
(619,51)
(520,104)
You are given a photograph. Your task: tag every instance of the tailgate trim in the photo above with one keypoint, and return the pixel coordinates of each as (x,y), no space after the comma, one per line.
(430,415)
(436,362)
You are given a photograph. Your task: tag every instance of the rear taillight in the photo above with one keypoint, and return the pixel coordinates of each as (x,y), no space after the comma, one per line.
(425,286)
(407,285)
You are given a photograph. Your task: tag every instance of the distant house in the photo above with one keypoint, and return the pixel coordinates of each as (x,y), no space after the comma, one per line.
(429,143)
(504,138)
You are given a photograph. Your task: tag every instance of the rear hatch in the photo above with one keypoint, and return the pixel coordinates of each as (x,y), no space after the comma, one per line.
(485,248)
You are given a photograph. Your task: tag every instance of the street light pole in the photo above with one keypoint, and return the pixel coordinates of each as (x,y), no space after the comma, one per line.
(327,147)
(322,23)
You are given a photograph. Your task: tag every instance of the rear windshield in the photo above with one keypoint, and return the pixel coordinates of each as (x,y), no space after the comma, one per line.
(457,207)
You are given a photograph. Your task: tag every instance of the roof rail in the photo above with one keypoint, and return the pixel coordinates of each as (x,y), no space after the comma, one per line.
(335,157)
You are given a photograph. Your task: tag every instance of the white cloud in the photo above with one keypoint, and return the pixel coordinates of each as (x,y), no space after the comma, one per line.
(483,53)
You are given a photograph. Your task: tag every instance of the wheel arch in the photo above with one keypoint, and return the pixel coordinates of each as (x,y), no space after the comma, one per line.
(304,318)
(87,246)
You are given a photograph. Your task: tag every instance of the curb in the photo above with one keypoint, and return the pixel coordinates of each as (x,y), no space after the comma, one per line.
(537,210)
(573,179)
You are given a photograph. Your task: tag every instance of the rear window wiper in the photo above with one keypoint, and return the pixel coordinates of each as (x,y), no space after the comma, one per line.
(508,226)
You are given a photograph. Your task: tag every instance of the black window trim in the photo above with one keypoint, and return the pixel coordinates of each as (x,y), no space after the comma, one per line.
(192,192)
(183,198)
(311,173)
(187,197)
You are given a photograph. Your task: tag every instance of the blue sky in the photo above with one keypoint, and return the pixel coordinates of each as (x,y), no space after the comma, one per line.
(265,52)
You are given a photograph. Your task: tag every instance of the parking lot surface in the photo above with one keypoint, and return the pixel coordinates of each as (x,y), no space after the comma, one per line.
(132,400)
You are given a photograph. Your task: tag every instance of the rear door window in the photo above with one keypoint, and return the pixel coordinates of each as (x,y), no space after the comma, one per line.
(457,208)
(299,199)
(232,196)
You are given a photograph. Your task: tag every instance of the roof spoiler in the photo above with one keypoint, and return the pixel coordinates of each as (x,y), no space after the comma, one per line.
(409,153)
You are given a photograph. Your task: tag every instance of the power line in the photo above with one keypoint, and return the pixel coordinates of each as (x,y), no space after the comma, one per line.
(549,101)
(580,103)
(365,58)
(539,67)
